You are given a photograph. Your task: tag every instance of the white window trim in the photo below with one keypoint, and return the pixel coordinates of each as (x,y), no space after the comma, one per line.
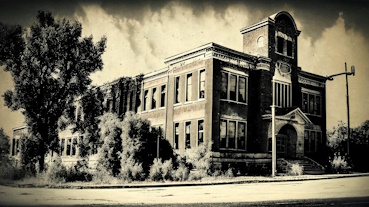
(186,87)
(203,132)
(236,134)
(199,84)
(175,90)
(185,144)
(237,87)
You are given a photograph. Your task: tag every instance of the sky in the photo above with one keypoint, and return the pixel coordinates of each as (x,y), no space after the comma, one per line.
(141,34)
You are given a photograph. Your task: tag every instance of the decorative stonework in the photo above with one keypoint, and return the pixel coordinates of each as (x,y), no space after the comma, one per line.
(212,50)
(310,82)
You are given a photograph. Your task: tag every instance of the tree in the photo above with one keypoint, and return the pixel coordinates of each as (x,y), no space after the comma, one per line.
(50,71)
(110,151)
(4,146)
(87,120)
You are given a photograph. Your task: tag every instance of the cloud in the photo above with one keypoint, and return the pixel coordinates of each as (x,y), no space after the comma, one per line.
(327,56)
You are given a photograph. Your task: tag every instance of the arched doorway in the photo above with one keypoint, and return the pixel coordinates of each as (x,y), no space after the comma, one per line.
(286,141)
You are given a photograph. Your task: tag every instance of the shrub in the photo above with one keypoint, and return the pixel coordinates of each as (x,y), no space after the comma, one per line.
(109,153)
(131,170)
(295,169)
(339,164)
(161,171)
(79,172)
(56,173)
(101,175)
(156,173)
(229,173)
(200,159)
(181,173)
(167,170)
(29,147)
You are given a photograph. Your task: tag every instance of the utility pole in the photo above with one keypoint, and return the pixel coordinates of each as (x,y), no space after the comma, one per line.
(348,113)
(347,100)
(274,144)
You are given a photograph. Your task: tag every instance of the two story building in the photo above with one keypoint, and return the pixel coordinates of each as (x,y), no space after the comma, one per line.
(214,93)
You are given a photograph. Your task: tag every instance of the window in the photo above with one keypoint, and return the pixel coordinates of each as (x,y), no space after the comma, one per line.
(280,144)
(241,137)
(162,96)
(62,146)
(153,98)
(13,147)
(280,42)
(232,134)
(242,90)
(176,135)
(69,143)
(289,48)
(224,86)
(233,87)
(176,90)
(189,87)
(202,84)
(283,95)
(146,102)
(223,134)
(306,141)
(188,135)
(200,128)
(74,146)
(312,140)
(311,102)
(284,45)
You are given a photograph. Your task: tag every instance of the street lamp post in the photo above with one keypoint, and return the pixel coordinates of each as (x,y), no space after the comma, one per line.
(274,148)
(347,100)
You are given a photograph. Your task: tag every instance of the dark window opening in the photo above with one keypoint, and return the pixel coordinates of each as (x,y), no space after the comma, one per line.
(289,48)
(280,42)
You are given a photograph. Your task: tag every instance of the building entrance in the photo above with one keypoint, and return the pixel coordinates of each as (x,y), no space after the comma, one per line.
(286,141)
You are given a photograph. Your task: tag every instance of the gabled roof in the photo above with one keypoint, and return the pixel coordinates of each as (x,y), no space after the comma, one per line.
(294,115)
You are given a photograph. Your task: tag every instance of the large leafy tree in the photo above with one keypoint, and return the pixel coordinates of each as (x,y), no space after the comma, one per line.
(49,72)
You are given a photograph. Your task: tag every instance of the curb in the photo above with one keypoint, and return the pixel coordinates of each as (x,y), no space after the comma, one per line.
(178,184)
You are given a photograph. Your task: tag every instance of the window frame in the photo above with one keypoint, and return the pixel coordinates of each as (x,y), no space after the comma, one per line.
(176,135)
(188,87)
(177,99)
(163,94)
(228,78)
(200,131)
(202,73)
(316,94)
(236,134)
(153,98)
(146,99)
(283,94)
(187,145)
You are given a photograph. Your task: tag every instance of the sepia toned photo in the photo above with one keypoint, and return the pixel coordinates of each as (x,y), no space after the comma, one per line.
(184,103)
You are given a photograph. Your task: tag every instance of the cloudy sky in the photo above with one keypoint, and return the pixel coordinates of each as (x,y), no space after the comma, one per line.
(142,34)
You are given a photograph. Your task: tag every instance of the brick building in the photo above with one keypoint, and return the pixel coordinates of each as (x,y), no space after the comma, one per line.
(213,93)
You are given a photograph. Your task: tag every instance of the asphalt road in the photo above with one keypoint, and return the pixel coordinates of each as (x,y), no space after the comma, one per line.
(342,192)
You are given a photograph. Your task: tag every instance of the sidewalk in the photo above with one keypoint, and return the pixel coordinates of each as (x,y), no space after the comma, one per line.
(207,181)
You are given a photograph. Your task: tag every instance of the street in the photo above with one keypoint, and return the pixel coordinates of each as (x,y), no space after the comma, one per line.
(353,191)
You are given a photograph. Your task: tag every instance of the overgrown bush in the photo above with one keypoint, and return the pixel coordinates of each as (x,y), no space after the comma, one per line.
(56,172)
(79,172)
(181,173)
(200,160)
(29,147)
(110,151)
(161,171)
(131,170)
(295,169)
(339,164)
